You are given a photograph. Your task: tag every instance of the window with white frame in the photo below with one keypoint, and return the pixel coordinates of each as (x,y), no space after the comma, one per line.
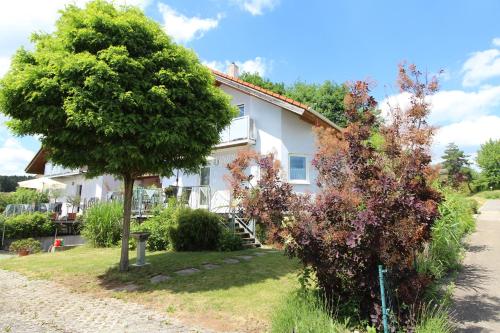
(241,108)
(298,168)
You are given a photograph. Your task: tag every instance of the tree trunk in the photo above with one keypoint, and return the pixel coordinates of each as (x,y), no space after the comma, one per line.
(127,209)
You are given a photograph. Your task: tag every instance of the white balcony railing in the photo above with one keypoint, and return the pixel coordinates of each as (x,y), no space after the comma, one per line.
(56,170)
(240,129)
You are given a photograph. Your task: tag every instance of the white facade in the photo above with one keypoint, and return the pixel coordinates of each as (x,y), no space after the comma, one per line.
(276,130)
(75,184)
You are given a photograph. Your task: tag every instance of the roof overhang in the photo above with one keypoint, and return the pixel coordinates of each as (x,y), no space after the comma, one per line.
(304,111)
(37,163)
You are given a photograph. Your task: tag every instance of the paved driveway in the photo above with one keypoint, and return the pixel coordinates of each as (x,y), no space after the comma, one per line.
(477,296)
(28,306)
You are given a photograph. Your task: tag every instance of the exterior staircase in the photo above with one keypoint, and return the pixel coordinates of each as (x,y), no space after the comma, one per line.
(247,233)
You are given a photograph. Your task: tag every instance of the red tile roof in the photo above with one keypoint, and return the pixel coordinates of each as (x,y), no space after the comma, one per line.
(262,90)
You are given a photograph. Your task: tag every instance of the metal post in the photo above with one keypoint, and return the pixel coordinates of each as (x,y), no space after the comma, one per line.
(381,272)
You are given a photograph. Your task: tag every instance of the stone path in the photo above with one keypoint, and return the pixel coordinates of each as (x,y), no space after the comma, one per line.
(28,306)
(477,294)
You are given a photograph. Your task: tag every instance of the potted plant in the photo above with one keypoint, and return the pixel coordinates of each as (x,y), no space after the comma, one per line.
(23,247)
(75,203)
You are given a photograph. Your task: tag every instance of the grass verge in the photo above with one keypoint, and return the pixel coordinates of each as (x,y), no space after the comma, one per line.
(231,297)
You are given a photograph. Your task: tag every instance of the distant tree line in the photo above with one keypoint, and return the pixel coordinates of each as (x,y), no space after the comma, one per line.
(9,183)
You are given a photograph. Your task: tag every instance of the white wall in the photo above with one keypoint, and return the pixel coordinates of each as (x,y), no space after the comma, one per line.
(278,131)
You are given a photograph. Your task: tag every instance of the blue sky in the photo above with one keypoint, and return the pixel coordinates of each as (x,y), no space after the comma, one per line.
(314,41)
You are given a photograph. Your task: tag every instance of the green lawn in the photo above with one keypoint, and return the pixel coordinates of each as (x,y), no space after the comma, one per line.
(234,296)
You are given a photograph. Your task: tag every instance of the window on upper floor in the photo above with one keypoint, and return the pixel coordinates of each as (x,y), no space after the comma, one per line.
(298,170)
(241,108)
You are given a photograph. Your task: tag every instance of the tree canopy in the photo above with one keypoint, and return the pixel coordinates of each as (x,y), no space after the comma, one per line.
(488,158)
(326,98)
(110,90)
(457,165)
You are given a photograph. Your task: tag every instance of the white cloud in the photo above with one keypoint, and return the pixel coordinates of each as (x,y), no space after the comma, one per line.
(257,7)
(496,41)
(14,157)
(183,28)
(20,18)
(453,105)
(481,66)
(467,134)
(258,64)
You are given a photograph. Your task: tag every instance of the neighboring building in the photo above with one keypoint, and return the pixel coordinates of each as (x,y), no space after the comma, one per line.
(267,122)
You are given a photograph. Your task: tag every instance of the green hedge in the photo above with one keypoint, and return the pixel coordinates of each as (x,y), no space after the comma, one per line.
(196,230)
(28,225)
(102,224)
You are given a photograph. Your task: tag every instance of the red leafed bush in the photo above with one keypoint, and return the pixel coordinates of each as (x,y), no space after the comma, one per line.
(266,198)
(376,204)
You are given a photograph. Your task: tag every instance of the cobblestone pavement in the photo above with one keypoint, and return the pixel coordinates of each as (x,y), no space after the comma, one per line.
(28,306)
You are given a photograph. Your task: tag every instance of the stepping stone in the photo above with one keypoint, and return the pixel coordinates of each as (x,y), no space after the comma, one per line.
(210,266)
(231,261)
(159,278)
(245,257)
(187,271)
(259,254)
(128,287)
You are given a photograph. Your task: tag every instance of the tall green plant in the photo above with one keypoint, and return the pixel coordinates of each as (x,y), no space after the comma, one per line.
(445,249)
(110,83)
(102,224)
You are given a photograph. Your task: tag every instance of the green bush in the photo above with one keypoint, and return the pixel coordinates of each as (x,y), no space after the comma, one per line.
(28,225)
(29,244)
(195,230)
(102,224)
(158,226)
(474,206)
(229,241)
(27,196)
(445,250)
(304,313)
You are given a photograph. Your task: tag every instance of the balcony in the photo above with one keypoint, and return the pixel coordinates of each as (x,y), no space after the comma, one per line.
(241,131)
(54,170)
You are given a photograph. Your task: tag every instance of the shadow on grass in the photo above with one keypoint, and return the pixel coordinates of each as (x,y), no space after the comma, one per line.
(272,265)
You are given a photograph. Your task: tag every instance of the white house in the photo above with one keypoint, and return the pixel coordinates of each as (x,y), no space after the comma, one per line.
(267,122)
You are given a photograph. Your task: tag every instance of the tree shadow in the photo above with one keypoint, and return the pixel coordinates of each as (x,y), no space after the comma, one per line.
(273,265)
(476,308)
(476,248)
(471,277)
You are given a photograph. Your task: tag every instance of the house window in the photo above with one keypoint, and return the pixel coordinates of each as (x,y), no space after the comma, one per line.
(298,169)
(241,108)
(205,176)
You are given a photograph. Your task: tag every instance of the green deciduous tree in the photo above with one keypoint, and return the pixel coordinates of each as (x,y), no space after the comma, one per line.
(256,79)
(326,98)
(109,90)
(488,158)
